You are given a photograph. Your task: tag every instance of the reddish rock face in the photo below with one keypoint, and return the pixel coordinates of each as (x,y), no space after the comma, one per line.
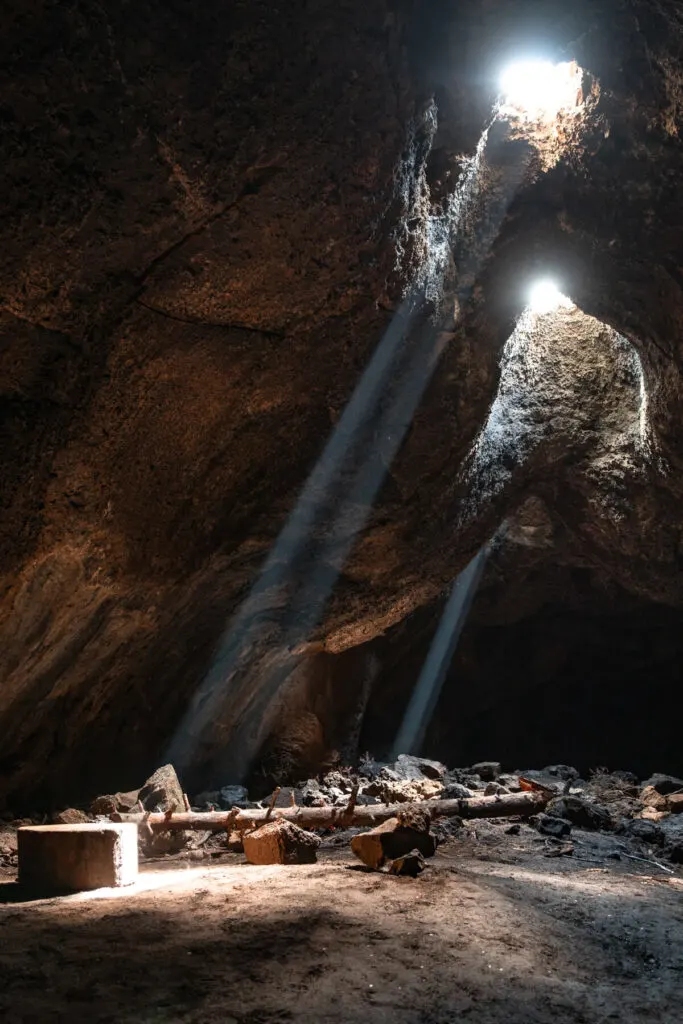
(212,216)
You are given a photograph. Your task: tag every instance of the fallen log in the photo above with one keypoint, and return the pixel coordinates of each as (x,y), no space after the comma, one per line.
(499,806)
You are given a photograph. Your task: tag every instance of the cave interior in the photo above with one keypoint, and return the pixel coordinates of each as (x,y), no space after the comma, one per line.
(338,360)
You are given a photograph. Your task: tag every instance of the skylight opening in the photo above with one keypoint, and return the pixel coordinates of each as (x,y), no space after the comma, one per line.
(546,297)
(539,90)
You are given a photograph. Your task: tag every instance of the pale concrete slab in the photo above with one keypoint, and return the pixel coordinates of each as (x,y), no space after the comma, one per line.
(74,858)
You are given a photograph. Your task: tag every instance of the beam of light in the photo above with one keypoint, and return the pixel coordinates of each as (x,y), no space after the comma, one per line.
(546,297)
(423,702)
(540,89)
(287,601)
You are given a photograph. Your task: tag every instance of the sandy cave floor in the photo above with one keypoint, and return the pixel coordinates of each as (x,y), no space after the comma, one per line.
(494,932)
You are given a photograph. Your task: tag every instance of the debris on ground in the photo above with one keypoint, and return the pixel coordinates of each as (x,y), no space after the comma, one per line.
(394,839)
(281,842)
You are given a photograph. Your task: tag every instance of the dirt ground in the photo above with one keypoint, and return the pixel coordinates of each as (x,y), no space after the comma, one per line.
(496,931)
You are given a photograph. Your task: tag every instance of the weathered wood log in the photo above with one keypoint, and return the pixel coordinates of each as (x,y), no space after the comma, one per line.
(323,817)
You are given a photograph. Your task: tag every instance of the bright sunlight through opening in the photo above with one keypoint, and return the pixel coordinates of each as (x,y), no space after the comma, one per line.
(539,89)
(546,297)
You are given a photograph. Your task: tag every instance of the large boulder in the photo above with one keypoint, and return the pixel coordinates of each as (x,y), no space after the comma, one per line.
(162,791)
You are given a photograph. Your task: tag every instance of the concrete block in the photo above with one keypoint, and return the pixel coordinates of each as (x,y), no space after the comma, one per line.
(71,858)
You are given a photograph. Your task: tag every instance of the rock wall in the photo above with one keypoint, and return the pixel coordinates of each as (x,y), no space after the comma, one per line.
(212,215)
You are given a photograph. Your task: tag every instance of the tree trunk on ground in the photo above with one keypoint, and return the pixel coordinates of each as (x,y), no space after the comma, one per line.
(324,817)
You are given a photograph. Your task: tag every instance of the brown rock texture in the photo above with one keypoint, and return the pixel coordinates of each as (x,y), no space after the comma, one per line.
(280,842)
(213,214)
(390,841)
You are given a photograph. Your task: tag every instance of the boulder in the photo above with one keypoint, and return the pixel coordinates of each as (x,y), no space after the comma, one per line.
(280,842)
(391,840)
(580,812)
(409,767)
(162,791)
(70,816)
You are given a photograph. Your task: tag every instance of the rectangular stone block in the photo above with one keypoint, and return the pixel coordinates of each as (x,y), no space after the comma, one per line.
(72,858)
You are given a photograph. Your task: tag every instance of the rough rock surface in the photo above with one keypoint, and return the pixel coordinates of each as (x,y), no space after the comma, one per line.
(280,842)
(392,840)
(204,241)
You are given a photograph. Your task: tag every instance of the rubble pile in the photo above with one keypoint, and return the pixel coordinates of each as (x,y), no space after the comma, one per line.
(648,813)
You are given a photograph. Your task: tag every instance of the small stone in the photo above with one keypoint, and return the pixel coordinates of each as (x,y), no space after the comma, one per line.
(488,771)
(70,816)
(281,842)
(162,791)
(551,826)
(389,841)
(675,803)
(651,798)
(411,864)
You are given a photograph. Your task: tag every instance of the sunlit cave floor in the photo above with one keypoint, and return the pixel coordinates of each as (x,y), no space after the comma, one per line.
(494,931)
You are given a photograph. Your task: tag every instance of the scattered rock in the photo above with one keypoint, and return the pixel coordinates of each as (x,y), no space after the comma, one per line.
(234,796)
(103,805)
(549,825)
(580,812)
(675,803)
(280,842)
(488,771)
(651,798)
(562,771)
(664,784)
(411,864)
(646,831)
(311,794)
(8,846)
(162,791)
(389,841)
(404,791)
(651,814)
(511,783)
(70,816)
(494,789)
(456,791)
(411,768)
